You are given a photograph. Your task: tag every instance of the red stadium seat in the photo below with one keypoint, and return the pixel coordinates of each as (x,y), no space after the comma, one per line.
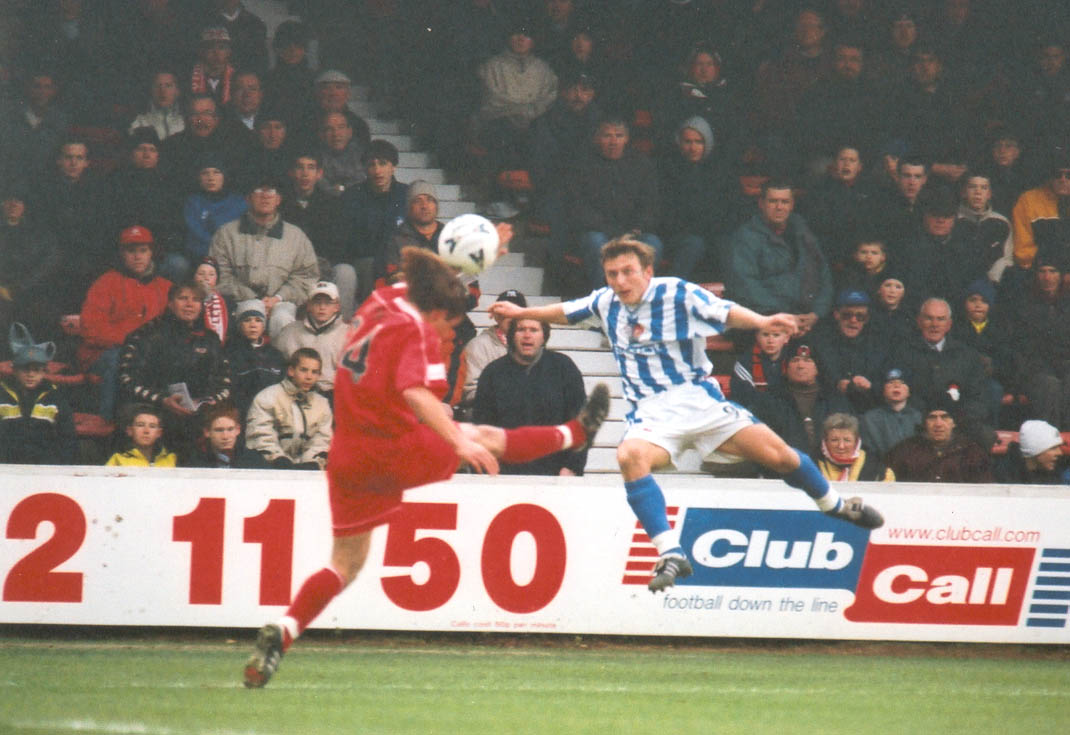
(719,343)
(92,426)
(725,382)
(538,228)
(55,372)
(1003,440)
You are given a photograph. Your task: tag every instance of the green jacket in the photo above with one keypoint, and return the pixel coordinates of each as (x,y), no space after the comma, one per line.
(778,273)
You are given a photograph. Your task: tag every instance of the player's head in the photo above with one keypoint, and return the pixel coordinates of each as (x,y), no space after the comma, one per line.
(628,265)
(432,285)
(305,368)
(222,425)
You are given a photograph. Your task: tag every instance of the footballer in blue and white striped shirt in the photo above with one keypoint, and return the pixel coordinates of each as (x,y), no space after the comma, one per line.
(657,329)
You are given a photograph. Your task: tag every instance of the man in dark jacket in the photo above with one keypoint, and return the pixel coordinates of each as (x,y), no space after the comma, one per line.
(375,208)
(939,453)
(532,385)
(221,445)
(796,410)
(939,364)
(1041,325)
(1037,458)
(175,348)
(775,263)
(852,354)
(29,262)
(421,228)
(613,191)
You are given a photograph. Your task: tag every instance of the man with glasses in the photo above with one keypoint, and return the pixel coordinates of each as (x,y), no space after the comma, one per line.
(1042,215)
(262,257)
(851,354)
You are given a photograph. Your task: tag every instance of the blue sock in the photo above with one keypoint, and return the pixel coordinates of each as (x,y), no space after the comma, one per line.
(808,478)
(648,504)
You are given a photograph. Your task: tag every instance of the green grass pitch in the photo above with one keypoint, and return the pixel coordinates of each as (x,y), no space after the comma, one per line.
(153,686)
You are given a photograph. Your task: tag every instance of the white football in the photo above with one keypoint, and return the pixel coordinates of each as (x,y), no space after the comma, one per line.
(469,242)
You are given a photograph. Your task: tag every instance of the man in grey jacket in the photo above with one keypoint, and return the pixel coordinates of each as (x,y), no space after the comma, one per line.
(775,261)
(262,257)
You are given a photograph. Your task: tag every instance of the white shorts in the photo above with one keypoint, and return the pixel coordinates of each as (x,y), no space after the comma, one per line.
(685,417)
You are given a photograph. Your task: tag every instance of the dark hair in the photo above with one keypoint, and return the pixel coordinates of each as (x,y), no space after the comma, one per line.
(351,119)
(911,159)
(775,182)
(382,150)
(307,153)
(510,334)
(304,353)
(432,285)
(613,119)
(188,284)
(131,411)
(628,245)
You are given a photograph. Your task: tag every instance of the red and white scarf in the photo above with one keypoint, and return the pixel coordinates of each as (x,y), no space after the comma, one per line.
(199,83)
(215,315)
(843,463)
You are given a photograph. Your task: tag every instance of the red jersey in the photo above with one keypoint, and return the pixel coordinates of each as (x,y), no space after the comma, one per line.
(389,348)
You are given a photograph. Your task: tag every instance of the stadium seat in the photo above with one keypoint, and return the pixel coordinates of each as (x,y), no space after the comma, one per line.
(725,381)
(1003,440)
(538,228)
(56,373)
(719,343)
(92,426)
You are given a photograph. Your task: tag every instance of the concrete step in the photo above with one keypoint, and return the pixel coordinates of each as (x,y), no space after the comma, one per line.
(489,298)
(501,278)
(611,433)
(404,143)
(448,209)
(574,339)
(511,259)
(603,460)
(594,363)
(410,159)
(434,176)
(614,384)
(380,128)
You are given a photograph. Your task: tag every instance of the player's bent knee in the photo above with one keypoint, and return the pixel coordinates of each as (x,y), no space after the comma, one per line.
(633,459)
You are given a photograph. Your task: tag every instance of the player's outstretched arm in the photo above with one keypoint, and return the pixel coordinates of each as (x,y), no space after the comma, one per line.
(429,410)
(553,313)
(740,317)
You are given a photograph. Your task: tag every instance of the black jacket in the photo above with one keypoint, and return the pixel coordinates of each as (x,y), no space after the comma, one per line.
(252,369)
(166,351)
(36,427)
(550,391)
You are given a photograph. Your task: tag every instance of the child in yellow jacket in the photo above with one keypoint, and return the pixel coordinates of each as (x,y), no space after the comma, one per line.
(144,428)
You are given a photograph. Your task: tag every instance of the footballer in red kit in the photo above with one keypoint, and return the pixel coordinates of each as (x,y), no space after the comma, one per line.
(392,433)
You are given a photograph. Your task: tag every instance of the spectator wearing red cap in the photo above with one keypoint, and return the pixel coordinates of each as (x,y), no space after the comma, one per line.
(119,302)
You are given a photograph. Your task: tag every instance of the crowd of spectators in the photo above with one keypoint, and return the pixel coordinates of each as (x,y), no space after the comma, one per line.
(213,208)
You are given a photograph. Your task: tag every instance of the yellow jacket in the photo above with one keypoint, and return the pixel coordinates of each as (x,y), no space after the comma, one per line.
(134,458)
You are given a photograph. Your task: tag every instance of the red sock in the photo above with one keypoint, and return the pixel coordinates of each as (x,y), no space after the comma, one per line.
(528,443)
(314,595)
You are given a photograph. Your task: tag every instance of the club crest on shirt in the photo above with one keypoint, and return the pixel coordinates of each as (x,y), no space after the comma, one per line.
(637,330)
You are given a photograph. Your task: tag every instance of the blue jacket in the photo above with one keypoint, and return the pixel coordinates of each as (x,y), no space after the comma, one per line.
(204,215)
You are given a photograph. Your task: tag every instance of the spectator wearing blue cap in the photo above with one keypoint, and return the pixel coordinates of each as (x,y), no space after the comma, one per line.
(852,354)
(895,419)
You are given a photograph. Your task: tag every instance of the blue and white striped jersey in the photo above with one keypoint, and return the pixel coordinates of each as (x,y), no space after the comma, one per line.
(661,342)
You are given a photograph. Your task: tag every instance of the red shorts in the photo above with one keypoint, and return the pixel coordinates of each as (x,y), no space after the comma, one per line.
(367,476)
